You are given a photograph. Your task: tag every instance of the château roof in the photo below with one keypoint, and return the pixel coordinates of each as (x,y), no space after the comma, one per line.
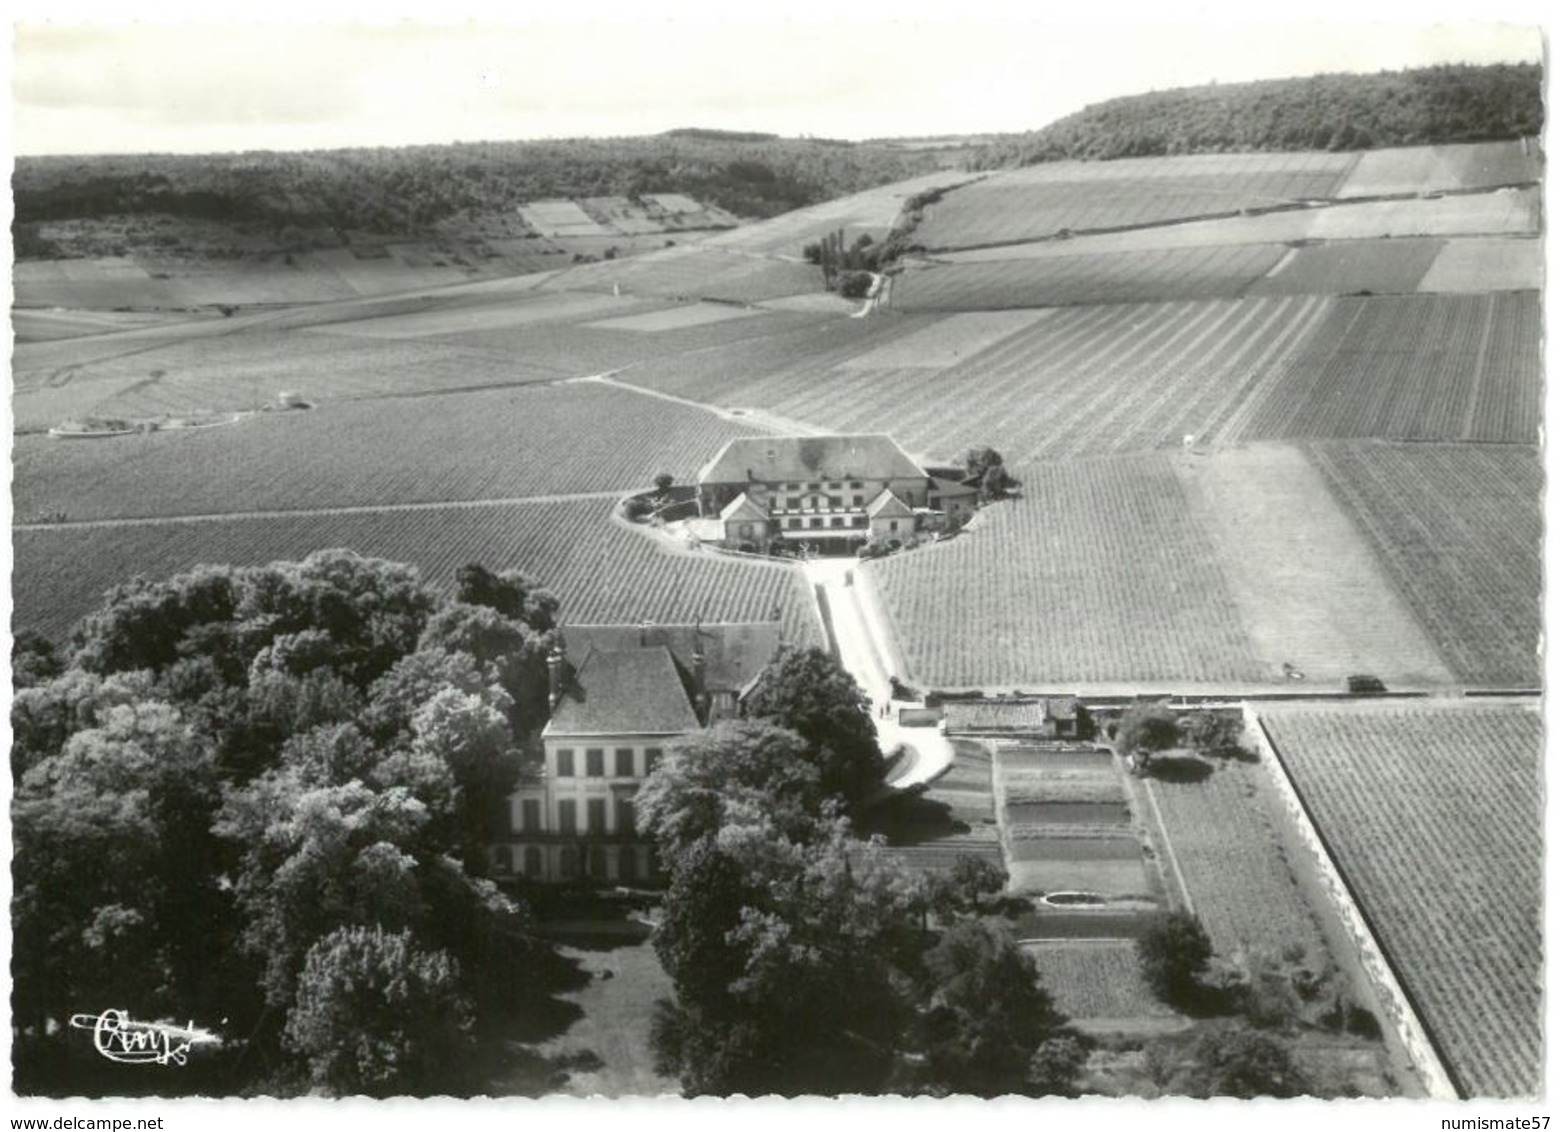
(734,653)
(801,459)
(629,692)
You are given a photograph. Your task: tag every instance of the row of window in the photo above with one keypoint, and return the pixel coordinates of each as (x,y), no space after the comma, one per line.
(594,861)
(596,762)
(856,485)
(568,816)
(833,502)
(816,523)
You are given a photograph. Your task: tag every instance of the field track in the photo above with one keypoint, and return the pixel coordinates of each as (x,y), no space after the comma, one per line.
(1434,816)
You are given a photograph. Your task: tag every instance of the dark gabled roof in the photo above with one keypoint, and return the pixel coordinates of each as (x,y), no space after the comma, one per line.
(629,692)
(955,488)
(733,653)
(887,503)
(794,459)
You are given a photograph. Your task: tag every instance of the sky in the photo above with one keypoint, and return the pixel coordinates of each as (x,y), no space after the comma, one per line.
(85,79)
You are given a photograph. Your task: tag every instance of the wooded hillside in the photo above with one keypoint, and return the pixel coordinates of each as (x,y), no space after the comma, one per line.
(404,190)
(1428,106)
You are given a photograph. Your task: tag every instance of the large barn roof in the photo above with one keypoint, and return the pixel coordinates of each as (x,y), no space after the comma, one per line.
(799,459)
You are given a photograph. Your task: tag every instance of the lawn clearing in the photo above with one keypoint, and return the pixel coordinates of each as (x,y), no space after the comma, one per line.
(618,1005)
(1434,815)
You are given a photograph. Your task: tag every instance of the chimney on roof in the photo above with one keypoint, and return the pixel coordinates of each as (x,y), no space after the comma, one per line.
(555,663)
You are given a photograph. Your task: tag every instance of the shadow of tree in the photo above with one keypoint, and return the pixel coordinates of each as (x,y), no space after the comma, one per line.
(1180,769)
(912,820)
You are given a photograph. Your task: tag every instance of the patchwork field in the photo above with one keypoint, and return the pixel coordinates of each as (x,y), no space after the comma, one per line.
(1125,277)
(1459,531)
(1045,200)
(1434,816)
(698,272)
(1513,212)
(1310,593)
(872,213)
(603,572)
(494,445)
(1493,264)
(1100,574)
(1418,169)
(1421,367)
(1393,267)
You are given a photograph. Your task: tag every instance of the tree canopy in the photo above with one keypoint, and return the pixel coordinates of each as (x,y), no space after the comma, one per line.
(257,798)
(1423,106)
(808,692)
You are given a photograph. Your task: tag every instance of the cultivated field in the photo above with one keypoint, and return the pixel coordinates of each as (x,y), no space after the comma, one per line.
(1434,816)
(697,271)
(1391,267)
(1122,277)
(1420,367)
(1305,585)
(1096,979)
(603,572)
(1067,822)
(1227,850)
(1100,574)
(1493,264)
(1499,212)
(1419,169)
(1459,531)
(492,445)
(1045,200)
(872,213)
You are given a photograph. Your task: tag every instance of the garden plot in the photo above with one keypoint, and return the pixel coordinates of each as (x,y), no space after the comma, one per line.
(1068,827)
(955,817)
(1226,848)
(1096,979)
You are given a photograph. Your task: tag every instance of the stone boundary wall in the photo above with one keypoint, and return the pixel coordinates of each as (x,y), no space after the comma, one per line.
(1410,1030)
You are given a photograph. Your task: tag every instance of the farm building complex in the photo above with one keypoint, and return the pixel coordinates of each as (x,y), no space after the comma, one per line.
(826,490)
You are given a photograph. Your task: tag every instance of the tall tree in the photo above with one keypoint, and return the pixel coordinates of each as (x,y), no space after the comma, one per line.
(808,692)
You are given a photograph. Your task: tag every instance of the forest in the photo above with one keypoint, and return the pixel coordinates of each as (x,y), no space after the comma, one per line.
(404,191)
(1425,106)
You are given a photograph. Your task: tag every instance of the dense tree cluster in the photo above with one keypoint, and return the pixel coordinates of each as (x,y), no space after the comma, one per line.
(802,957)
(1426,106)
(257,798)
(403,191)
